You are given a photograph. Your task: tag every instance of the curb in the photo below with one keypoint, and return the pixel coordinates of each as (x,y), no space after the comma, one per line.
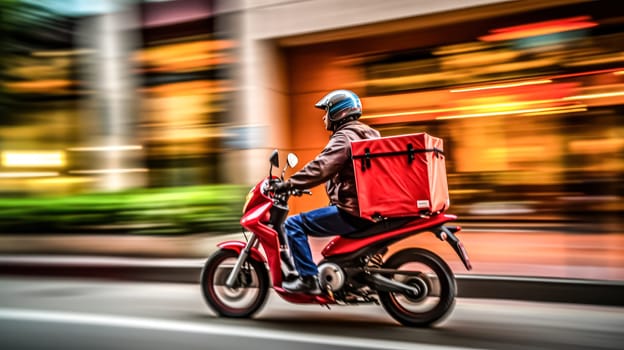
(557,290)
(577,291)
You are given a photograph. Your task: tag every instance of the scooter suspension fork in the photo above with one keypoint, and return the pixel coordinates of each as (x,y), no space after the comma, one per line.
(231,280)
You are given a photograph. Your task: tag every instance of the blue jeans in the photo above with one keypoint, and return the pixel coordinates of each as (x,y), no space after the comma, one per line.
(322,222)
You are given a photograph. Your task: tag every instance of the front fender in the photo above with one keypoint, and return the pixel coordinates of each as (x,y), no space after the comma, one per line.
(238,246)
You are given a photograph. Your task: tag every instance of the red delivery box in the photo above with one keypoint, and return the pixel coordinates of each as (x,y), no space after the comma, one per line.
(400,176)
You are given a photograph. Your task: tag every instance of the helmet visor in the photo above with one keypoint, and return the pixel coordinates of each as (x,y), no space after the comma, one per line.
(322,104)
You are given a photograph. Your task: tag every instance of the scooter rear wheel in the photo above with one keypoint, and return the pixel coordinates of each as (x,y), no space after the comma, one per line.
(428,273)
(246,297)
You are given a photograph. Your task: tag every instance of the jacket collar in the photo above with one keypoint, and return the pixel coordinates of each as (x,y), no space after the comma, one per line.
(352,122)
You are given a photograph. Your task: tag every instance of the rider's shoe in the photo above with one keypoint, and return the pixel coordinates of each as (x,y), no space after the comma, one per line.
(303,284)
(290,277)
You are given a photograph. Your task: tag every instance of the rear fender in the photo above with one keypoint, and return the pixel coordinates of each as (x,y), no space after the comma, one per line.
(238,246)
(447,233)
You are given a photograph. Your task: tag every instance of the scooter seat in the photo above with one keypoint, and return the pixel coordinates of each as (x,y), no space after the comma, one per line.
(380,227)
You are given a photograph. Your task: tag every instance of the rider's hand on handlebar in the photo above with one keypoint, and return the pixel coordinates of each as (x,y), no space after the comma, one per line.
(281,187)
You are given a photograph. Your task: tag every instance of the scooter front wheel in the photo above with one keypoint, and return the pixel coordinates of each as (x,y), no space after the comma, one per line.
(244,298)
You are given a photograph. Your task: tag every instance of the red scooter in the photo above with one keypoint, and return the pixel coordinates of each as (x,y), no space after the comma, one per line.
(415,286)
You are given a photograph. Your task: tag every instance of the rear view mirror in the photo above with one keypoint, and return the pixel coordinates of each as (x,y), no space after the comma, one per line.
(292,160)
(274,159)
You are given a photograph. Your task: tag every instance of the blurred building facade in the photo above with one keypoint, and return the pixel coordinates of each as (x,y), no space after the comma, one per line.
(109,95)
(526,94)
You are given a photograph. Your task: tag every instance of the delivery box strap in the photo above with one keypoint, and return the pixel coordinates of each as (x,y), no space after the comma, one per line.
(410,152)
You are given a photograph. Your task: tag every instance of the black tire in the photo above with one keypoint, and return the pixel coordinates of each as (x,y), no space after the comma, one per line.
(438,282)
(251,290)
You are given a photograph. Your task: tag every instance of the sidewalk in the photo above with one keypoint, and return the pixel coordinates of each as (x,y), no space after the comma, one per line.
(508,252)
(192,246)
(118,257)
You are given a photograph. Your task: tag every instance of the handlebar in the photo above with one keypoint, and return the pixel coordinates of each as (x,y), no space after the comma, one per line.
(298,192)
(290,192)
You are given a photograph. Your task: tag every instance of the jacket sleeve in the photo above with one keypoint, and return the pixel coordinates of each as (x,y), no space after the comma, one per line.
(325,165)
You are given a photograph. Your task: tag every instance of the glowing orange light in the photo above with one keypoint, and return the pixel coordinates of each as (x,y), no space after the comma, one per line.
(402,114)
(110,171)
(487,106)
(503,86)
(39,85)
(106,148)
(592,96)
(539,28)
(533,111)
(581,74)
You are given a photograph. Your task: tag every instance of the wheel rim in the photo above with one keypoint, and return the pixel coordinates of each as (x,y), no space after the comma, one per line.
(426,281)
(244,295)
(420,282)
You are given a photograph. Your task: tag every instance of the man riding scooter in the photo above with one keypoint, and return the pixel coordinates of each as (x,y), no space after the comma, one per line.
(414,285)
(334,167)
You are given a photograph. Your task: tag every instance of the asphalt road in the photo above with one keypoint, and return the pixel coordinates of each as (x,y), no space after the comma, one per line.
(48,313)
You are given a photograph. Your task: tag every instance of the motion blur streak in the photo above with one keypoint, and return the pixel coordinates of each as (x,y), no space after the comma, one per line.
(503,86)
(34,159)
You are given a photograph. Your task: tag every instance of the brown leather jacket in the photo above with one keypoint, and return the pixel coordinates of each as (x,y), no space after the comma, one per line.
(334,166)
